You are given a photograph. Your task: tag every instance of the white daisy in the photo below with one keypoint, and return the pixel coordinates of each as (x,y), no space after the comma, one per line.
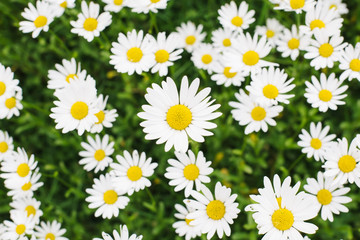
(115,5)
(183,227)
(8,85)
(50,230)
(89,23)
(236,18)
(38,19)
(132,171)
(271,86)
(29,205)
(132,53)
(97,153)
(338,5)
(327,196)
(350,62)
(317,142)
(272,30)
(222,38)
(187,170)
(213,214)
(326,93)
(190,35)
(20,226)
(105,118)
(174,115)
(26,189)
(11,105)
(123,234)
(106,197)
(297,6)
(59,6)
(144,6)
(253,114)
(205,56)
(225,75)
(6,146)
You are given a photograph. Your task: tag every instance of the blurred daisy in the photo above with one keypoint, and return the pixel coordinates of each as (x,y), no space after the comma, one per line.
(183,227)
(29,205)
(236,18)
(89,23)
(338,5)
(144,6)
(271,86)
(105,118)
(174,115)
(115,5)
(20,226)
(11,105)
(272,31)
(6,146)
(26,189)
(327,196)
(59,6)
(188,170)
(8,85)
(205,56)
(122,235)
(253,114)
(132,53)
(190,35)
(97,153)
(224,75)
(38,19)
(52,231)
(213,214)
(222,38)
(317,142)
(350,62)
(297,6)
(132,171)
(326,93)
(106,197)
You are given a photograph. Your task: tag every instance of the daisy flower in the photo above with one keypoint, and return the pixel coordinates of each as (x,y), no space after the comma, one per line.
(76,107)
(326,93)
(26,189)
(6,146)
(8,85)
(205,56)
(59,6)
(187,170)
(115,5)
(350,62)
(342,162)
(20,226)
(105,118)
(37,19)
(271,86)
(106,197)
(327,196)
(316,142)
(50,231)
(132,53)
(253,114)
(297,6)
(222,38)
(29,205)
(213,214)
(172,116)
(144,6)
(122,235)
(236,18)
(338,5)
(65,72)
(11,105)
(272,31)
(190,35)
(183,227)
(97,153)
(225,75)
(89,23)
(132,171)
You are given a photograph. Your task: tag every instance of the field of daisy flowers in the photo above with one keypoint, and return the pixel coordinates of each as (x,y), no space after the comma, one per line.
(179,119)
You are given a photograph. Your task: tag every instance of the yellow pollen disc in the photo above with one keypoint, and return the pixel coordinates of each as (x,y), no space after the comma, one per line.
(40,21)
(3,147)
(134,173)
(237,21)
(317,23)
(347,163)
(324,196)
(2,88)
(270,91)
(30,210)
(333,6)
(118,2)
(26,186)
(354,65)
(258,113)
(229,74)
(325,95)
(10,103)
(227,42)
(293,43)
(49,236)
(188,221)
(100,116)
(134,54)
(279,201)
(191,172)
(154,1)
(90,24)
(110,197)
(206,58)
(79,110)
(99,155)
(179,117)
(270,33)
(326,50)
(70,76)
(63,4)
(282,219)
(251,58)
(23,170)
(190,40)
(296,4)
(215,210)
(20,229)
(162,56)
(315,143)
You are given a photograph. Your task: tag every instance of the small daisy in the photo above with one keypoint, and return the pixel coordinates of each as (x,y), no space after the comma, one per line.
(20,226)
(190,36)
(225,75)
(271,86)
(317,142)
(213,214)
(205,56)
(52,231)
(132,53)
(123,234)
(183,227)
(297,6)
(326,93)
(144,6)
(350,62)
(6,146)
(342,163)
(222,38)
(338,5)
(327,196)
(105,118)
(61,77)
(38,19)
(106,197)
(272,30)
(115,5)
(89,23)
(187,170)
(133,171)
(173,115)
(253,114)
(236,18)
(59,6)
(97,153)
(8,85)
(29,205)
(26,189)
(11,105)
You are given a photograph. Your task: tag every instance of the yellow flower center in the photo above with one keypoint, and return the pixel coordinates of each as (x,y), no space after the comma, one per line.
(10,103)
(134,173)
(154,1)
(40,21)
(324,196)
(188,221)
(251,58)
(79,110)
(296,4)
(110,197)
(282,219)
(315,143)
(63,4)
(190,40)
(229,74)
(99,155)
(191,172)
(293,43)
(333,6)
(179,117)
(325,95)
(30,210)
(162,56)
(90,24)
(26,186)
(20,229)
(215,210)
(325,50)
(118,2)
(354,65)
(3,147)
(206,58)
(347,163)
(270,33)
(134,54)
(49,236)
(2,88)
(317,23)
(70,76)
(237,21)
(100,116)
(270,91)
(258,113)
(227,42)
(23,170)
